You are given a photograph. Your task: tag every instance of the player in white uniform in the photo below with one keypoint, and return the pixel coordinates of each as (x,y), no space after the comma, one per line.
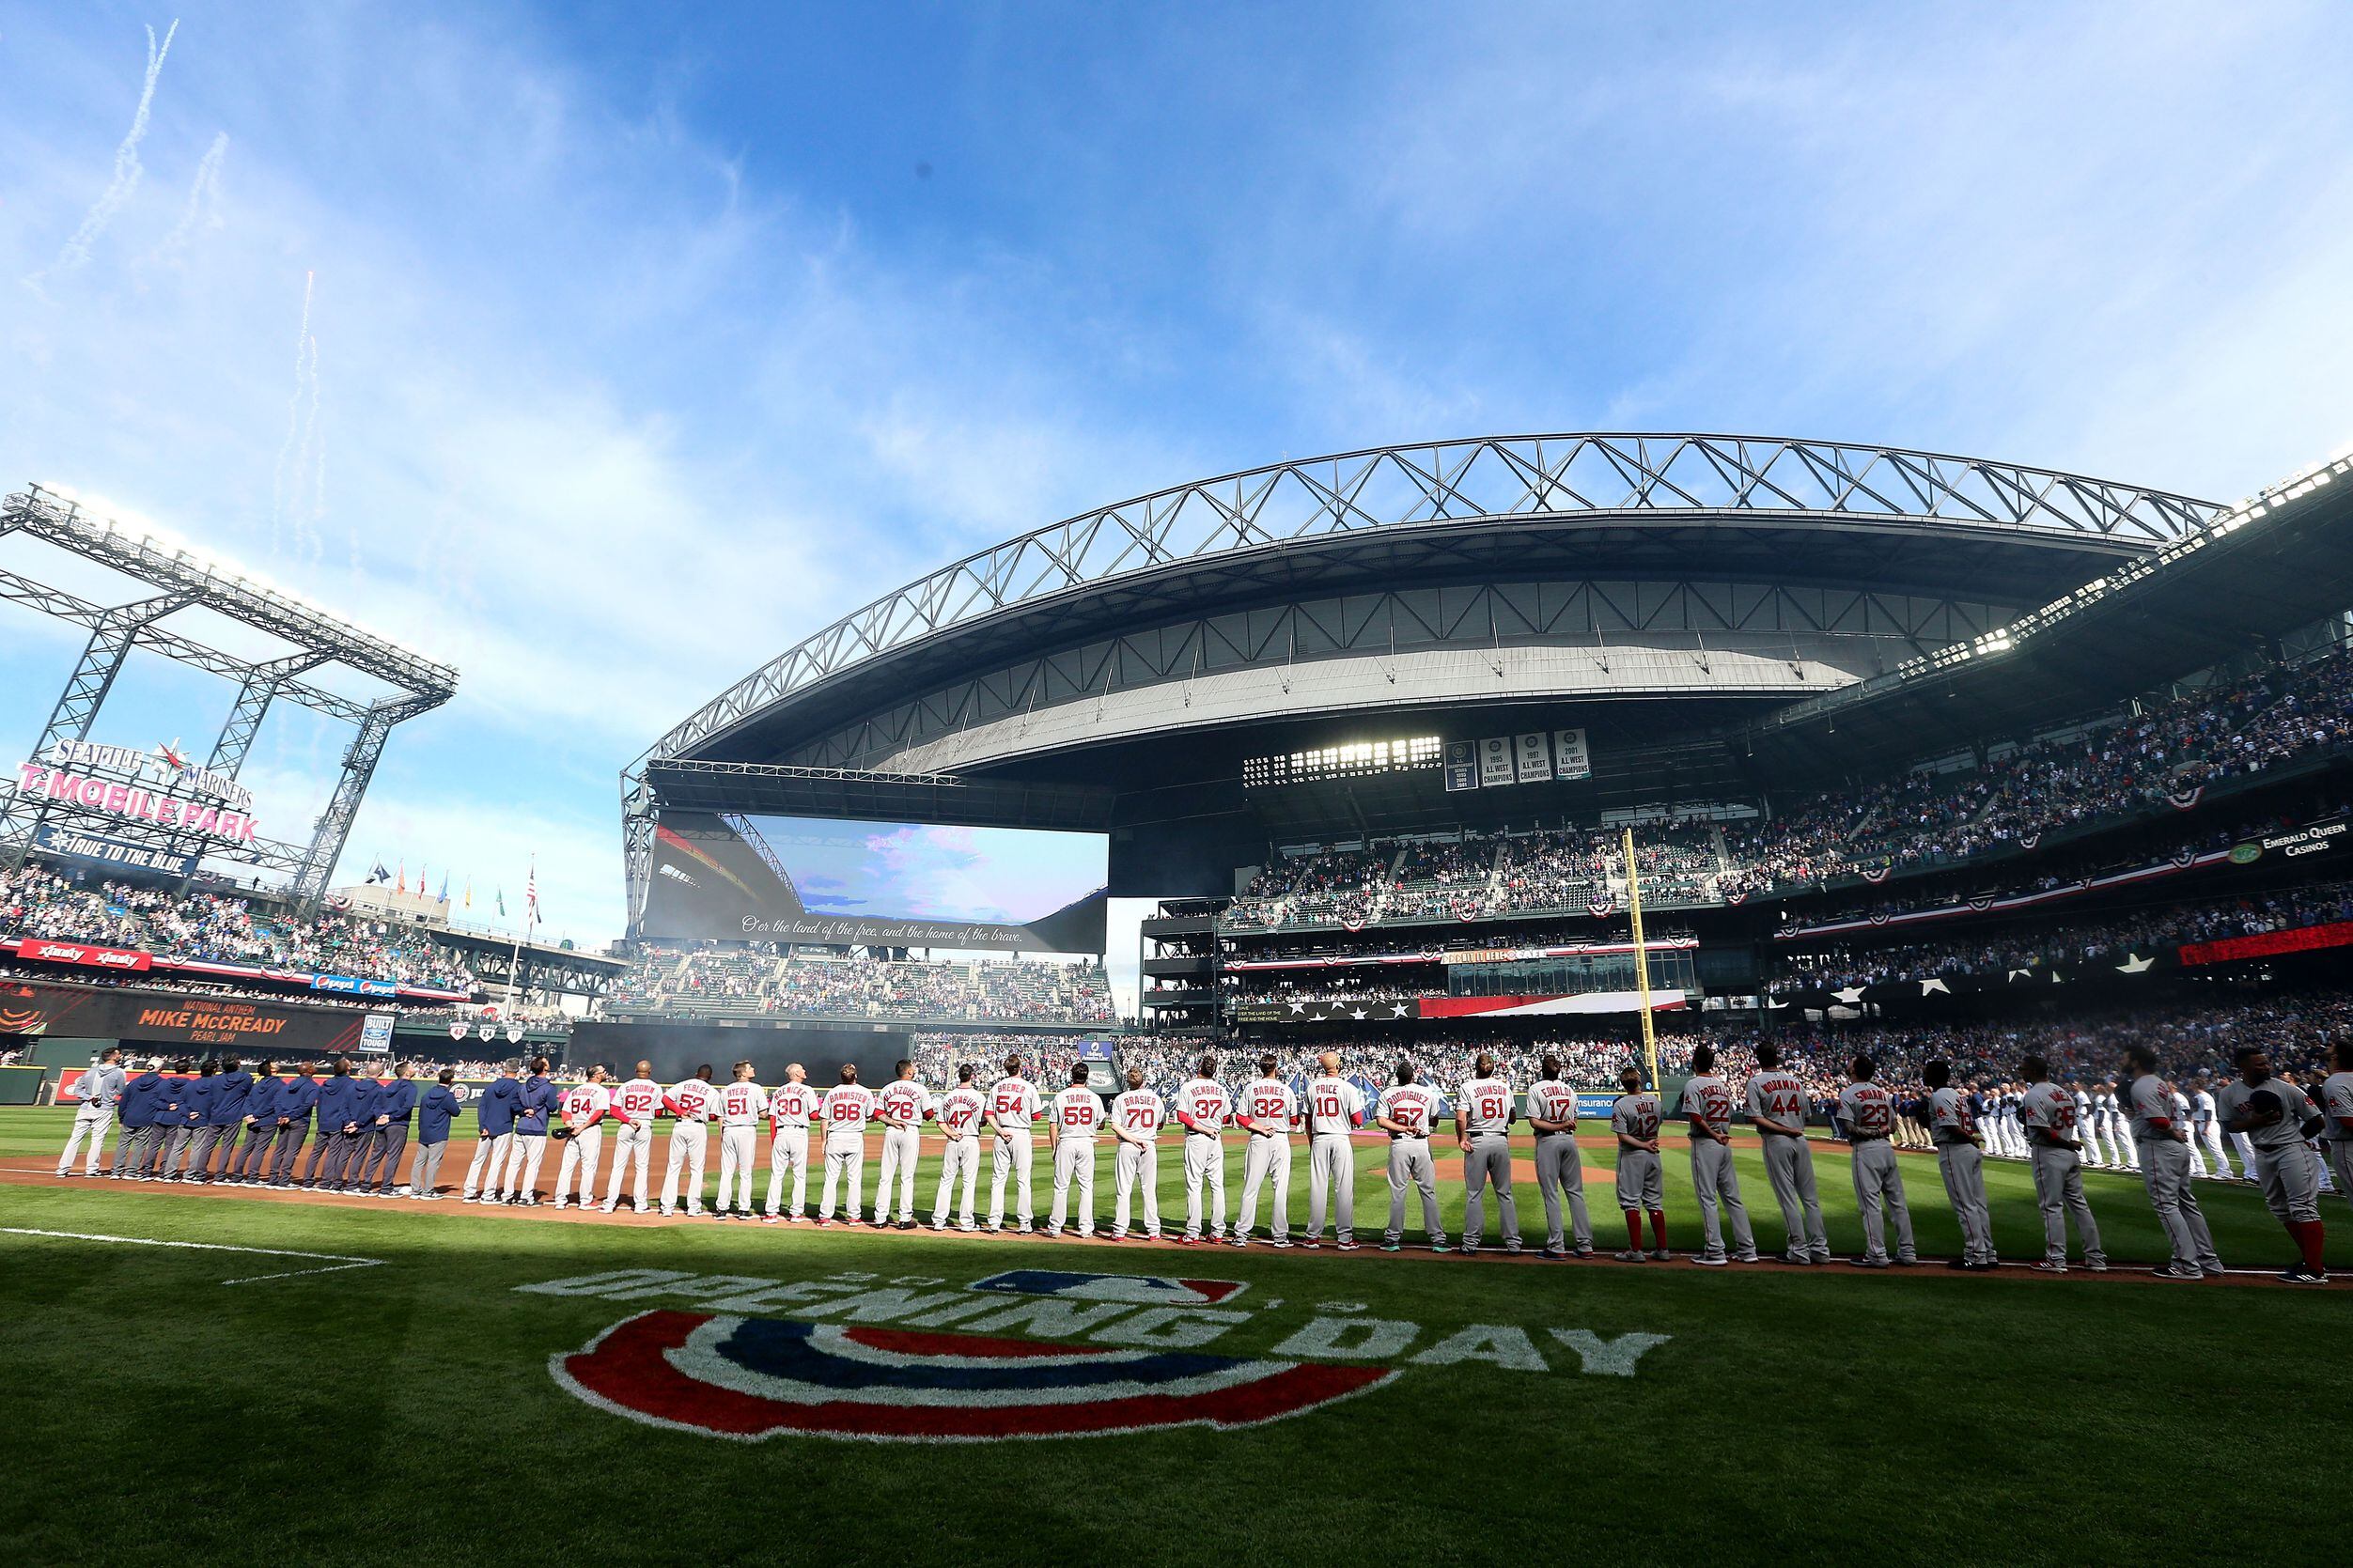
(790,1110)
(741,1104)
(1078,1113)
(844,1111)
(1484,1110)
(1407,1112)
(1869,1111)
(1708,1104)
(1961,1158)
(1014,1108)
(636,1104)
(1777,1109)
(904,1106)
(2163,1138)
(2277,1118)
(1268,1112)
(2086,1132)
(1552,1111)
(2185,1116)
(959,1113)
(1634,1119)
(584,1109)
(694,1103)
(1136,1122)
(1202,1108)
(1334,1110)
(2336,1104)
(2049,1112)
(2206,1129)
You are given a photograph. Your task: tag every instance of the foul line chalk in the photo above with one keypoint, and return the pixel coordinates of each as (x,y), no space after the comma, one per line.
(338,1261)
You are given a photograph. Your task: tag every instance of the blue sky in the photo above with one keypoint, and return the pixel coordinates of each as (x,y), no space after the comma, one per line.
(650,338)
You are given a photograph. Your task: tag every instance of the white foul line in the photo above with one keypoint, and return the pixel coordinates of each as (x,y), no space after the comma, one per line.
(339,1260)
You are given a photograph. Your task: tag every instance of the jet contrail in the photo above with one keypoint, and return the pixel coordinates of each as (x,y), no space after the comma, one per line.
(304,539)
(293,415)
(76,252)
(203,206)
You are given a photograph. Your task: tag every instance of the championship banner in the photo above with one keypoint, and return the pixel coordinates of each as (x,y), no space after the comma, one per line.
(1571,759)
(38,1008)
(1533,759)
(1495,763)
(1462,767)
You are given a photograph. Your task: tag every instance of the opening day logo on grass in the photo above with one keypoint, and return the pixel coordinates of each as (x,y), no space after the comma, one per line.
(874,1359)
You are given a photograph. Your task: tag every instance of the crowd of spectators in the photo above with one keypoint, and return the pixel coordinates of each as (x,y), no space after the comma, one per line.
(36,901)
(754,983)
(2141,932)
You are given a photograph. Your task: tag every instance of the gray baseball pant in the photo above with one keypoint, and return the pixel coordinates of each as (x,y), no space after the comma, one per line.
(2341,1161)
(1489,1160)
(1268,1156)
(2290,1178)
(1964,1169)
(1410,1166)
(1878,1184)
(1560,1169)
(1717,1184)
(126,1147)
(1331,1176)
(381,1163)
(426,1175)
(2059,1192)
(287,1149)
(2165,1172)
(1789,1166)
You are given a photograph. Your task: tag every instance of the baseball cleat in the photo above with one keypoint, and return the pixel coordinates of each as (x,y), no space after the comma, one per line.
(608,1208)
(1238,1241)
(906,1224)
(2177,1271)
(1868,1262)
(1282,1241)
(1025,1229)
(1582,1250)
(939,1224)
(1344,1246)
(1705,1262)
(1552,1253)
(1469,1249)
(1746,1257)
(1631,1256)
(768,1220)
(1907,1263)
(966,1226)
(1389,1246)
(1437,1244)
(2300,1275)
(2097,1265)
(2049,1265)
(1311,1244)
(1660,1254)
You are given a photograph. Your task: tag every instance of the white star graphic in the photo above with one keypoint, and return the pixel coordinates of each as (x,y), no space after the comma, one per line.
(2135,964)
(1851,995)
(1358,1014)
(1299,1007)
(1930,987)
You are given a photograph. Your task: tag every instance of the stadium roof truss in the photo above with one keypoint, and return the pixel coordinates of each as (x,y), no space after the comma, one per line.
(183,580)
(1385,517)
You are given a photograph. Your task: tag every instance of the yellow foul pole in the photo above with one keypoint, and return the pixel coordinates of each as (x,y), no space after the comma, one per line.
(1642,961)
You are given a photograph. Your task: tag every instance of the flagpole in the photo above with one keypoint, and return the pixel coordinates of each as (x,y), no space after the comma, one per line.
(514,954)
(1642,960)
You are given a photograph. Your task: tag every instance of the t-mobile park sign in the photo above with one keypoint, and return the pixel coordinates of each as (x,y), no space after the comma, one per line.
(112,797)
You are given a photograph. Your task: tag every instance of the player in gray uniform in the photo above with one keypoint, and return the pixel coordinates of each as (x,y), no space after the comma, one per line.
(1708,1111)
(2049,1112)
(1961,1158)
(1634,1118)
(2163,1141)
(2276,1117)
(1777,1100)
(2336,1103)
(1552,1111)
(100,1091)
(1869,1113)
(1483,1118)
(1406,1112)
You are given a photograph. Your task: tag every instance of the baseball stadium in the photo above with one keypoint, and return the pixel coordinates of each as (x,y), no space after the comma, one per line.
(1628,986)
(1903,886)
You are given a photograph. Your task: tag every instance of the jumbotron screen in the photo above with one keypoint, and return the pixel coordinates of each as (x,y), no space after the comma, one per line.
(889,884)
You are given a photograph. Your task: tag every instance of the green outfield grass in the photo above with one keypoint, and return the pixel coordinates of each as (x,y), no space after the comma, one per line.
(406,1411)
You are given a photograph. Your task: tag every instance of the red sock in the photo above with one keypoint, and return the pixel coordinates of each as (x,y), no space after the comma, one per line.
(2310,1234)
(1634,1230)
(1659,1229)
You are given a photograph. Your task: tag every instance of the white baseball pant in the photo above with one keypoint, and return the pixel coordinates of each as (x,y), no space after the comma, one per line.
(89,1122)
(1136,1165)
(845,1162)
(789,1150)
(958,1158)
(1013,1157)
(690,1146)
(490,1159)
(1331,1177)
(736,1167)
(1074,1157)
(1267,1155)
(523,1155)
(633,1147)
(900,1148)
(1204,1161)
(581,1150)
(2244,1147)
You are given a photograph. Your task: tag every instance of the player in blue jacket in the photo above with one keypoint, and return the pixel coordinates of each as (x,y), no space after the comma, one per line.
(493,1137)
(298,1097)
(342,1110)
(530,1144)
(251,1167)
(439,1107)
(137,1110)
(224,1114)
(387,1132)
(195,1106)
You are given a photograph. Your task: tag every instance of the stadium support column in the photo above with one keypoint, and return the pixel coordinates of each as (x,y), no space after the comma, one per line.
(359,766)
(112,638)
(637,840)
(255,694)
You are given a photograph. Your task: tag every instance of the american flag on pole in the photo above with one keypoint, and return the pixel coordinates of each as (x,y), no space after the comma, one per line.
(531,895)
